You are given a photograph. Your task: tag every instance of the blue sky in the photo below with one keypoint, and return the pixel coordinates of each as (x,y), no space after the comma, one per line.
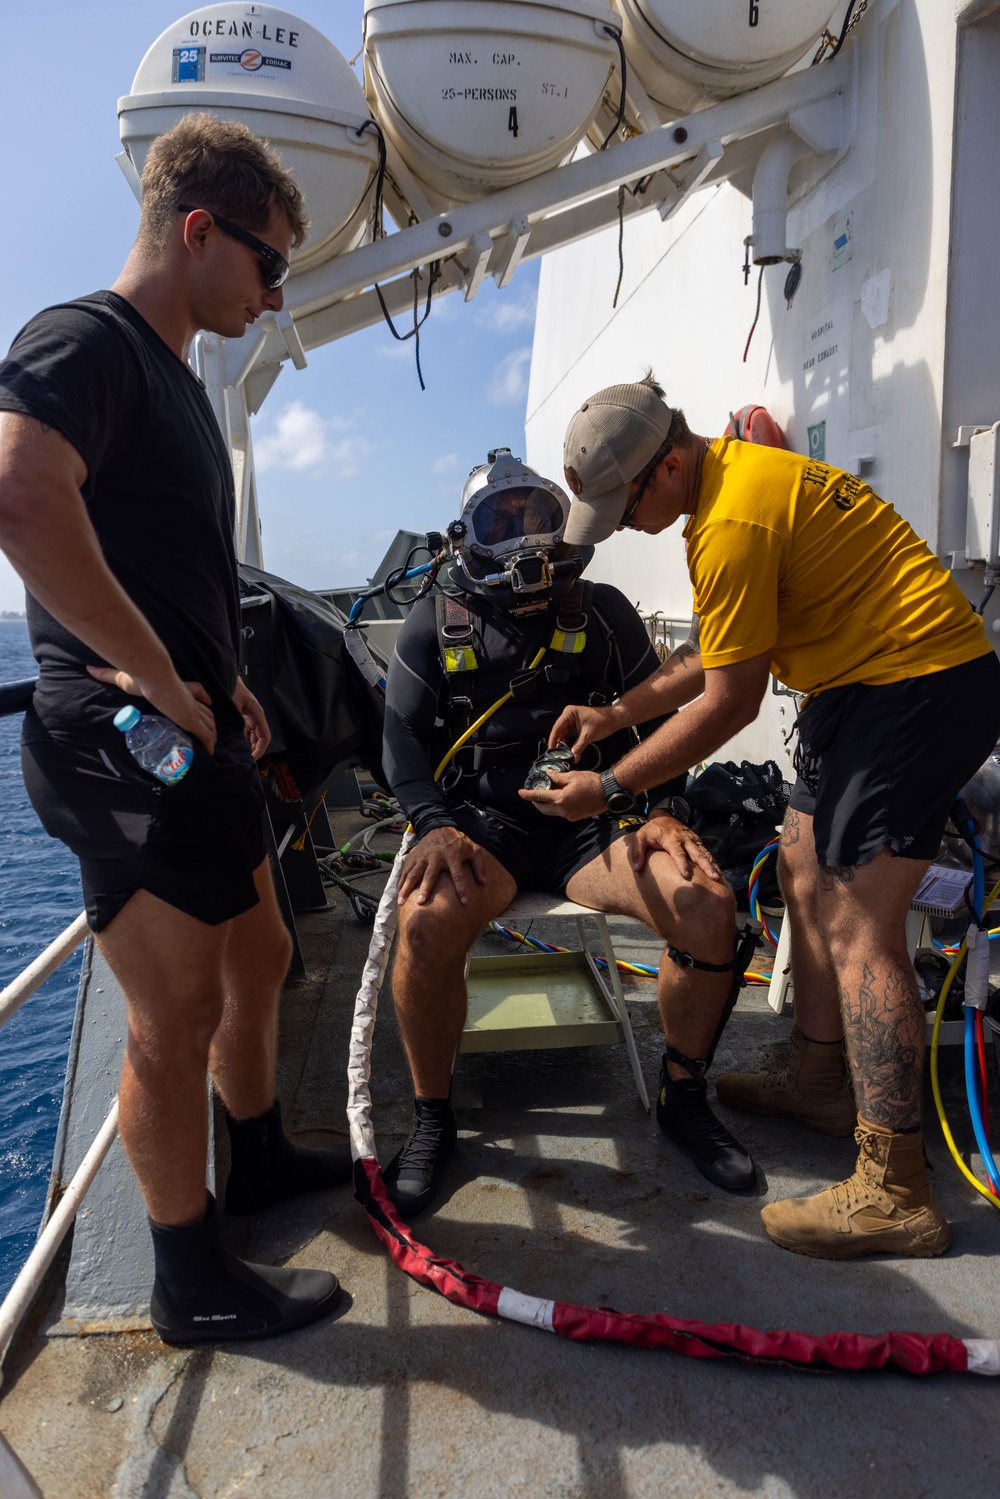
(349,449)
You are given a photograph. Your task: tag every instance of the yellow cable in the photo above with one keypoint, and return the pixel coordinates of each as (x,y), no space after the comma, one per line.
(935,1086)
(479,723)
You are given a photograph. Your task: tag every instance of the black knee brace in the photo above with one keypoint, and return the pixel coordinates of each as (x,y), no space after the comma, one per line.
(746,943)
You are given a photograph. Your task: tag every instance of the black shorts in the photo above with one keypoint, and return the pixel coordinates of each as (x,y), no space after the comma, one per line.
(542,853)
(879,767)
(195,845)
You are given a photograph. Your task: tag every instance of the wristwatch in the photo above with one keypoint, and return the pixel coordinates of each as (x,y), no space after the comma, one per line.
(616,797)
(676,806)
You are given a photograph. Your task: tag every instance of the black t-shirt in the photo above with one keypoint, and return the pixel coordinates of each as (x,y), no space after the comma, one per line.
(618,656)
(159,493)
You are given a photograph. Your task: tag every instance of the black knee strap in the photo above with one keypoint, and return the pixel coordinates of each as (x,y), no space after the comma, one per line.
(697,1066)
(746,945)
(685,960)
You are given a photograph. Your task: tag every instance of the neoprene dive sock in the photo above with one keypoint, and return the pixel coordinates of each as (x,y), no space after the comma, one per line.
(267,1168)
(204,1294)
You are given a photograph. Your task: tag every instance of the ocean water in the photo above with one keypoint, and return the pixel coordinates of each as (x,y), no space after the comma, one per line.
(39,897)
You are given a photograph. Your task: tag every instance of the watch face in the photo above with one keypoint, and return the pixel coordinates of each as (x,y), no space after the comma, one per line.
(618,799)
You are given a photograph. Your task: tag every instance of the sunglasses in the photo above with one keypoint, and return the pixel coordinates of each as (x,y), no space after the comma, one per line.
(275,266)
(644,481)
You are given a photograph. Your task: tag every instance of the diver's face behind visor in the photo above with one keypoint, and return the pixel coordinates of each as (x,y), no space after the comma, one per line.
(507,544)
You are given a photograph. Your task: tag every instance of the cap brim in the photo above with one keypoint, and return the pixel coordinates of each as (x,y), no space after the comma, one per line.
(591,521)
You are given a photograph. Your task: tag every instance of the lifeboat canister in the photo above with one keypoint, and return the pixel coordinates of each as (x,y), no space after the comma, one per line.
(285,81)
(477,97)
(688,53)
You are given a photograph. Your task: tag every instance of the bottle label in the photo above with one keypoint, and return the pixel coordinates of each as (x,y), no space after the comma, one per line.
(175,764)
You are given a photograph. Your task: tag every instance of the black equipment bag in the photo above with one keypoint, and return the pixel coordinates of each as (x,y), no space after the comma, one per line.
(735,810)
(323,715)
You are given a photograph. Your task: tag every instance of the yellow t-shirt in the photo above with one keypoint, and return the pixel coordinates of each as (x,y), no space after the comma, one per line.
(794,557)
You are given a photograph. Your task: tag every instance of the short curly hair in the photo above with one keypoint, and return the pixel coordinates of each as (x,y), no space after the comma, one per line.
(222,166)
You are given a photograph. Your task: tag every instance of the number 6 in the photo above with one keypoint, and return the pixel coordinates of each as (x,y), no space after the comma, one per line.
(754,12)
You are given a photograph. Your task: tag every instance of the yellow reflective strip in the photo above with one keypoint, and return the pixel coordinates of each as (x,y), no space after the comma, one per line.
(569,642)
(460,658)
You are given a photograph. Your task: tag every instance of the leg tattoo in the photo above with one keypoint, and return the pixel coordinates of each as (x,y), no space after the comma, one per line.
(832,875)
(885,1025)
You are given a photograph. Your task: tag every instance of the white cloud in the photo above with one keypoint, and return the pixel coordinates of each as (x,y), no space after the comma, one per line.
(507,312)
(347,455)
(509,383)
(300,439)
(396,348)
(446,464)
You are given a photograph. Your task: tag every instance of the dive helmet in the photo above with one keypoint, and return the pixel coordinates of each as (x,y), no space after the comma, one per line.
(507,543)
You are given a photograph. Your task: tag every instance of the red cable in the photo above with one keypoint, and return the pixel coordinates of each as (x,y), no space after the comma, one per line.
(917,1353)
(984,1086)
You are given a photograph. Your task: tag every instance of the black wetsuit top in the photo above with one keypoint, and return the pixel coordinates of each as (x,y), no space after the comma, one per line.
(618,655)
(159,494)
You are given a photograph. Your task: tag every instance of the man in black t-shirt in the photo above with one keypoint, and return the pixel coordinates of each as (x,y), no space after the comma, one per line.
(117,510)
(514,642)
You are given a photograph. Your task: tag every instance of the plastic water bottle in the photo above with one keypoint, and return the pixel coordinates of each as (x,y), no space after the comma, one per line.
(158,745)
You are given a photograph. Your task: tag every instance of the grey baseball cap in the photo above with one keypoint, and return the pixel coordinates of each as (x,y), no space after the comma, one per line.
(610,440)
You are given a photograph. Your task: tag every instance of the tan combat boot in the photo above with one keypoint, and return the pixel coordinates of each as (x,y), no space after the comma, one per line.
(886,1207)
(812,1087)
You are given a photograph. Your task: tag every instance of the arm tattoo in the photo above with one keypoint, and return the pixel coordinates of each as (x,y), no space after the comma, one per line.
(690,647)
(789,828)
(885,1033)
(683,650)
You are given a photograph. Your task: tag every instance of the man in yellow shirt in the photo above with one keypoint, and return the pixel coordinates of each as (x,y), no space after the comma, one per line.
(799,570)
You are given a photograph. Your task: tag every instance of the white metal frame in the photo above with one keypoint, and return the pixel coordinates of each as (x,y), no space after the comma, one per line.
(26,1286)
(493,236)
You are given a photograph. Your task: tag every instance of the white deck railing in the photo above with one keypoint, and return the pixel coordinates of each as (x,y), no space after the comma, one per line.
(29,1280)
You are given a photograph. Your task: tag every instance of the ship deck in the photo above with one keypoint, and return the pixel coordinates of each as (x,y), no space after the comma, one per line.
(562,1188)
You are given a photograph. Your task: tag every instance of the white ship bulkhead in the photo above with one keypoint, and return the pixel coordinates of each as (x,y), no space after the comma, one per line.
(889,345)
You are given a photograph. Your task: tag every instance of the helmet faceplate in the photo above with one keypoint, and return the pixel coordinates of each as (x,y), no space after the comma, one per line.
(507,542)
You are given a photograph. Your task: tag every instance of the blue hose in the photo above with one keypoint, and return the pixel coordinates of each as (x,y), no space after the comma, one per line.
(971,1084)
(359,603)
(975,1113)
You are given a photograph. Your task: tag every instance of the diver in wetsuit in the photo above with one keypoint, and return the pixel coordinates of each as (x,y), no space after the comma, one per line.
(516,618)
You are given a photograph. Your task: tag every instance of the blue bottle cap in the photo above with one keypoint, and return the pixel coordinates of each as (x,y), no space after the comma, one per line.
(126,717)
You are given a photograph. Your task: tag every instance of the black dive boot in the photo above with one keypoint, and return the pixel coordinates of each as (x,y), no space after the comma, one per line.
(412,1176)
(266,1167)
(204,1294)
(683,1114)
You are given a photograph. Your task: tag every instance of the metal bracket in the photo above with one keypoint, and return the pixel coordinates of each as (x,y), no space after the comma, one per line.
(688,182)
(965,436)
(290,338)
(820,125)
(513,248)
(479,258)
